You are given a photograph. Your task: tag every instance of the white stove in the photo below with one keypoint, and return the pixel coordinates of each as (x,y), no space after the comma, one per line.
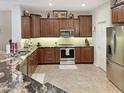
(67,55)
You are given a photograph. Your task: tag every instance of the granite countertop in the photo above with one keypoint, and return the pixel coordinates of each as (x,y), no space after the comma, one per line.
(13,81)
(35,48)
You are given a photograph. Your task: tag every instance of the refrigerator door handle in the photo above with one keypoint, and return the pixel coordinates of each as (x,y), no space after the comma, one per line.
(113,43)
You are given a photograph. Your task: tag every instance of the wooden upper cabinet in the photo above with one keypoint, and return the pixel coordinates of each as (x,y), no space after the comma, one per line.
(115,15)
(50,32)
(44,27)
(71,23)
(85,25)
(56,28)
(76,28)
(35,25)
(66,23)
(49,28)
(118,14)
(26,27)
(121,13)
(87,55)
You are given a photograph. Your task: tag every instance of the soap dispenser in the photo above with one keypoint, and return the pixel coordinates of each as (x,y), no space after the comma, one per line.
(87,42)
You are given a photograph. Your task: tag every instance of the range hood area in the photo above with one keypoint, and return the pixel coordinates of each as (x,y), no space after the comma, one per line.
(66,33)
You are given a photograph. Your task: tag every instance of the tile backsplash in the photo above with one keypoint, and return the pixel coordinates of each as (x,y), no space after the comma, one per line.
(51,42)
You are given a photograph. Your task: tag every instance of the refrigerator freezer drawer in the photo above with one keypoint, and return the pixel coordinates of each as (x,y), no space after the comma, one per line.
(115,74)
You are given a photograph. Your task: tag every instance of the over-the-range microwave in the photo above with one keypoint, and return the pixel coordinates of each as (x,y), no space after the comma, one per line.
(66,33)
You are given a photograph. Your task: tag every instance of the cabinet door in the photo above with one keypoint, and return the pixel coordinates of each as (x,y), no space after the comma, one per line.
(87,55)
(71,23)
(76,28)
(56,28)
(85,26)
(63,23)
(41,55)
(77,55)
(120,13)
(115,14)
(35,25)
(44,27)
(50,32)
(57,55)
(66,23)
(49,56)
(26,27)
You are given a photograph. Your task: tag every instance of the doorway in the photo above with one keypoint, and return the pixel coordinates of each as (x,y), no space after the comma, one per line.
(101,44)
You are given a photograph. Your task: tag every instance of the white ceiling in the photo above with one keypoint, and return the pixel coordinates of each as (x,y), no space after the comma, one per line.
(57,4)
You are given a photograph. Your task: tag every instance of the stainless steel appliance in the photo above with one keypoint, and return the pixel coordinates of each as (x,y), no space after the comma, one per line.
(115,56)
(66,33)
(67,55)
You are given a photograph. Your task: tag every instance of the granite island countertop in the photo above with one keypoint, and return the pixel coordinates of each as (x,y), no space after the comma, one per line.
(13,81)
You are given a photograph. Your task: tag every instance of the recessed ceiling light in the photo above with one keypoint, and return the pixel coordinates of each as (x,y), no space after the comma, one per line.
(83,5)
(50,4)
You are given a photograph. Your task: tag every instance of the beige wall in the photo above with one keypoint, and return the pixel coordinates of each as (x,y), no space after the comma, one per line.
(5,28)
(101,16)
(50,42)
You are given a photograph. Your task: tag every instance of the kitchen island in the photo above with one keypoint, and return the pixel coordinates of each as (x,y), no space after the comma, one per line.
(14,81)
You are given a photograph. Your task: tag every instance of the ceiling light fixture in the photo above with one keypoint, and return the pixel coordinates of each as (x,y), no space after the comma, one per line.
(83,5)
(50,4)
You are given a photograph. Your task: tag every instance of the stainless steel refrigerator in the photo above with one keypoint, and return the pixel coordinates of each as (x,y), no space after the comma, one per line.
(115,56)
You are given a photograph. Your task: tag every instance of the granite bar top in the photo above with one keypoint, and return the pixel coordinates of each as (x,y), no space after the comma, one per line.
(13,81)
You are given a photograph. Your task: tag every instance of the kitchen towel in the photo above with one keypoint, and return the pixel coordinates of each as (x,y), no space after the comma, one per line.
(67,51)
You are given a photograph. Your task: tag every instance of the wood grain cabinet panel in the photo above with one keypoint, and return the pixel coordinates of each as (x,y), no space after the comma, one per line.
(87,55)
(26,27)
(35,25)
(120,10)
(115,15)
(49,55)
(41,55)
(57,55)
(76,28)
(44,27)
(84,55)
(56,28)
(77,55)
(85,26)
(50,28)
(71,23)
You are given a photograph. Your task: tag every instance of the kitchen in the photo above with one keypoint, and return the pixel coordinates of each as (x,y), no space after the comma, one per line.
(58,44)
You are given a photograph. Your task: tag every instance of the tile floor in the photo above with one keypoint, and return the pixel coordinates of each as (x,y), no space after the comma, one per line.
(84,79)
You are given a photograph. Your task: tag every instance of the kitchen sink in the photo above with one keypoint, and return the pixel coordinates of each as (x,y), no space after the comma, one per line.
(23,53)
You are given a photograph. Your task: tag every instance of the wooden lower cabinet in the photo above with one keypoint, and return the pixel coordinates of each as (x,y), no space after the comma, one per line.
(48,55)
(84,55)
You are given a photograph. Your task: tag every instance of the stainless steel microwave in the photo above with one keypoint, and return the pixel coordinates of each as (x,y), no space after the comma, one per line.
(66,33)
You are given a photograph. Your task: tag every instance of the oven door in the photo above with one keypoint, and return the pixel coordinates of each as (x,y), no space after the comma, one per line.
(67,54)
